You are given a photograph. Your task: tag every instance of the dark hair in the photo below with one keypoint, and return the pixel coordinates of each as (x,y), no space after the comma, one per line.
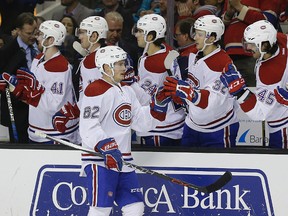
(75,24)
(25,18)
(185,26)
(157,42)
(270,49)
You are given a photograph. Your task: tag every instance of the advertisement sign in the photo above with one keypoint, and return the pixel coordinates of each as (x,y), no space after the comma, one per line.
(60,191)
(47,183)
(251,132)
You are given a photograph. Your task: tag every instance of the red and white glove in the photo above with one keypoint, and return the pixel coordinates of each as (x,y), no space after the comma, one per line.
(180,88)
(112,156)
(66,113)
(22,91)
(27,78)
(14,86)
(129,77)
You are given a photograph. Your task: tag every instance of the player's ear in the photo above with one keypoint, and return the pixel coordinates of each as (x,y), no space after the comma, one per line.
(107,69)
(150,37)
(51,40)
(212,38)
(93,37)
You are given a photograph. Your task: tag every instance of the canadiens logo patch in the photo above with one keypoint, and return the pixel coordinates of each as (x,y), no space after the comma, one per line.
(122,115)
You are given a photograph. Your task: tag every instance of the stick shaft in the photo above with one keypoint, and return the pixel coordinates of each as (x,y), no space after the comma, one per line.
(224,179)
(11,114)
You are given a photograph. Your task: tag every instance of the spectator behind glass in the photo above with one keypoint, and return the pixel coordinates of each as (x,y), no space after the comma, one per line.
(147,7)
(217,3)
(194,8)
(68,51)
(186,44)
(115,26)
(14,55)
(127,39)
(183,36)
(67,47)
(73,8)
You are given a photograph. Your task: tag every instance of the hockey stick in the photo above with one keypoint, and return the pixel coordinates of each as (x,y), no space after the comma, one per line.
(223,180)
(11,113)
(77,46)
(172,55)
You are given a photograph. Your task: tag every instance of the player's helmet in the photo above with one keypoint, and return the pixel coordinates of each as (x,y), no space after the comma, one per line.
(109,55)
(210,24)
(152,22)
(55,29)
(259,32)
(95,24)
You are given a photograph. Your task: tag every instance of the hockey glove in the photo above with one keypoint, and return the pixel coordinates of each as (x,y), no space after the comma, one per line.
(27,78)
(3,84)
(281,95)
(130,77)
(66,113)
(232,79)
(159,104)
(14,86)
(112,156)
(180,88)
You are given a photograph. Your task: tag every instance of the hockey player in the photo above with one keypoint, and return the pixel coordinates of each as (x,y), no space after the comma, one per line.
(211,120)
(270,50)
(237,15)
(150,34)
(49,87)
(108,113)
(91,33)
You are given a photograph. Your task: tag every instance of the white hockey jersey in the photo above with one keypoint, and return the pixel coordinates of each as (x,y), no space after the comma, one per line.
(88,73)
(214,109)
(111,111)
(55,75)
(152,73)
(270,73)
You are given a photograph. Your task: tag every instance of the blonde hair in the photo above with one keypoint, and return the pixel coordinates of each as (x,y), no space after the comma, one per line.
(114,16)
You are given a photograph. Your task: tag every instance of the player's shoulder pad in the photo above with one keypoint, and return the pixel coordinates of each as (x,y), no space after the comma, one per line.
(39,56)
(57,64)
(217,62)
(89,61)
(155,63)
(98,87)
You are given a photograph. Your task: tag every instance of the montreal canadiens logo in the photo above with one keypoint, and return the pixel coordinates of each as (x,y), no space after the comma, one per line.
(122,115)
